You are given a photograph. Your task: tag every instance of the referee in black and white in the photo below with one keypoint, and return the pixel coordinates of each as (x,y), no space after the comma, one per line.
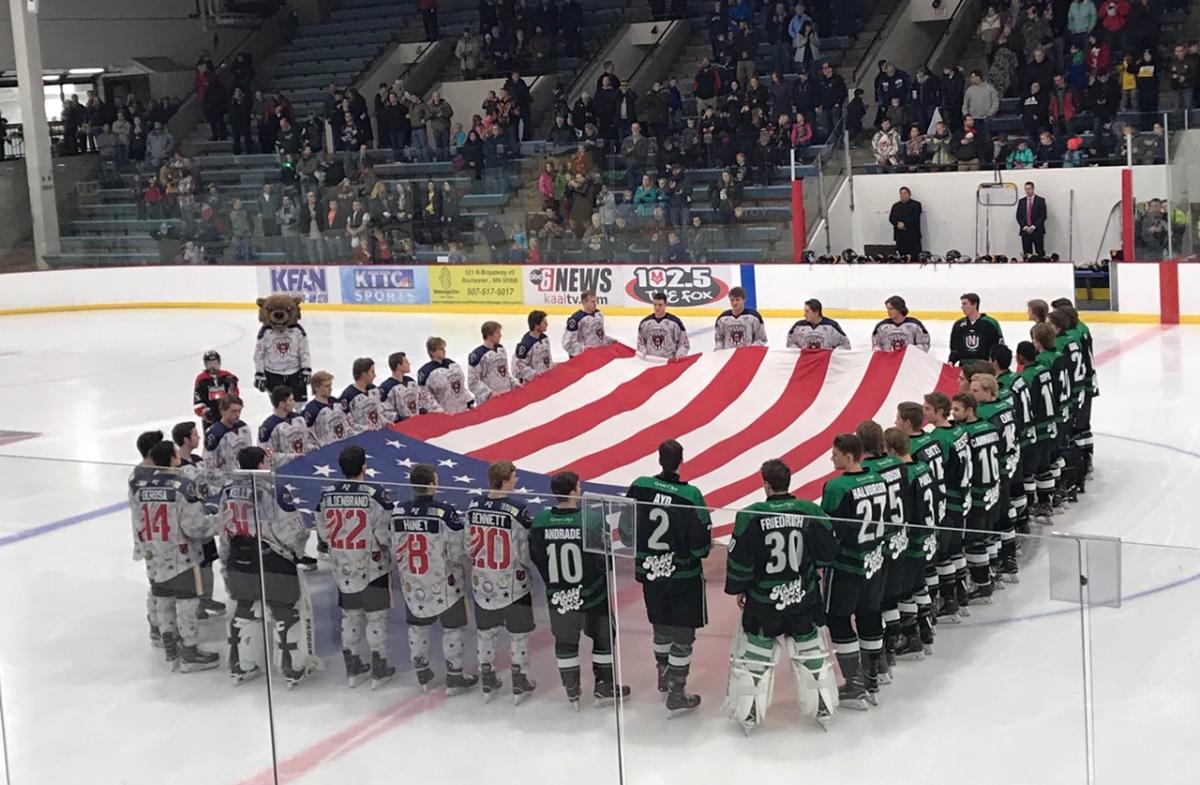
(974,335)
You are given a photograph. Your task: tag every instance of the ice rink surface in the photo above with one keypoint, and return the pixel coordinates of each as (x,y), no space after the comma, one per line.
(86,700)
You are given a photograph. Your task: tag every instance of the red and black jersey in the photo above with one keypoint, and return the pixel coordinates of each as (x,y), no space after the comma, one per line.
(209,390)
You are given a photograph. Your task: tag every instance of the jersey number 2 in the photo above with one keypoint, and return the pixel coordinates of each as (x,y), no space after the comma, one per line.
(662,522)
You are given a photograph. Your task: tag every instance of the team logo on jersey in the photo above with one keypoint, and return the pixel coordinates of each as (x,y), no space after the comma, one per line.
(501,370)
(567,601)
(298,446)
(373,418)
(737,335)
(785,594)
(338,430)
(657,339)
(600,332)
(898,342)
(412,407)
(813,341)
(456,386)
(658,567)
(972,341)
(282,347)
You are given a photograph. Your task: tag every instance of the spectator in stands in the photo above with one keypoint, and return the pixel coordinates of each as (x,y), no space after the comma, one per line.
(1151,148)
(518,90)
(394,116)
(1073,155)
(468,52)
(121,129)
(1021,157)
(832,92)
(583,112)
(939,147)
(1035,109)
(429,18)
(267,206)
(160,145)
(570,21)
(312,224)
(561,136)
(472,153)
(915,149)
(653,110)
(706,86)
(1035,31)
(137,140)
(545,186)
(288,140)
(1039,69)
(890,83)
(745,47)
(1065,102)
(240,111)
(215,102)
(1103,97)
(989,29)
(1147,82)
(1046,152)
(698,240)
(927,96)
(1081,20)
(1003,72)
(635,150)
(953,91)
(439,113)
(489,15)
(885,146)
(779,40)
(968,145)
(1182,74)
(1127,78)
(627,109)
(645,197)
(981,100)
(581,202)
(241,230)
(417,115)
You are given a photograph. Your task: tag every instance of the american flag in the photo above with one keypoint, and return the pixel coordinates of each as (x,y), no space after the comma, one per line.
(604,413)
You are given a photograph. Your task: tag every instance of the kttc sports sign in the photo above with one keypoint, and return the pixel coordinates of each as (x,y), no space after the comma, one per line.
(565,284)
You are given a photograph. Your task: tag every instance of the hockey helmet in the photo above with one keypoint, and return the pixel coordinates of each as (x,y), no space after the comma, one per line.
(953,256)
(212,356)
(849,256)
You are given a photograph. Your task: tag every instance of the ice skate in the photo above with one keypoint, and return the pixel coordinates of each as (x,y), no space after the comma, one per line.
(853,695)
(1009,572)
(522,686)
(662,677)
(424,673)
(909,648)
(605,694)
(680,703)
(296,678)
(210,609)
(948,611)
(824,715)
(573,693)
(925,626)
(490,682)
(749,722)
(458,682)
(884,667)
(982,594)
(240,676)
(381,671)
(170,644)
(357,671)
(193,658)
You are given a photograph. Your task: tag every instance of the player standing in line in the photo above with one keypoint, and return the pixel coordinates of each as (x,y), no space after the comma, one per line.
(672,535)
(887,588)
(925,449)
(401,396)
(212,384)
(1045,337)
(898,330)
(261,523)
(498,549)
(1011,387)
(137,478)
(487,366)
(815,331)
(1037,311)
(739,325)
(532,357)
(956,475)
(283,358)
(224,439)
(1035,459)
(186,437)
(923,508)
(857,501)
(1083,420)
(355,517)
(360,400)
(585,328)
(427,535)
(973,336)
(986,478)
(576,592)
(325,419)
(1002,416)
(442,380)
(284,433)
(1071,347)
(170,527)
(776,547)
(662,334)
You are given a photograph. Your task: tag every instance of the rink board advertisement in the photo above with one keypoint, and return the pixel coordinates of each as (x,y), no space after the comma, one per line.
(385,285)
(563,284)
(470,285)
(632,286)
(312,283)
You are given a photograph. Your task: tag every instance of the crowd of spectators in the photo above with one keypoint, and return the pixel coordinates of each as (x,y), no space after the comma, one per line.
(1088,75)
(130,131)
(524,35)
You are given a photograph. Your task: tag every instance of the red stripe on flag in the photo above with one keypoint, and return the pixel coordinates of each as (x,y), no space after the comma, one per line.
(722,391)
(808,377)
(947,380)
(872,391)
(431,426)
(627,397)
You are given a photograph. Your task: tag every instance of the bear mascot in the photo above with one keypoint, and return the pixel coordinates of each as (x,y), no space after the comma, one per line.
(281,353)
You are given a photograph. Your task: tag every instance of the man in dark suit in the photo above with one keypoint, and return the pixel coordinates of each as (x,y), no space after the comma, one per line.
(905,218)
(1031,217)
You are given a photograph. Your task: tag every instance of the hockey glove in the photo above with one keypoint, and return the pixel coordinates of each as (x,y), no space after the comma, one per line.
(305,376)
(260,382)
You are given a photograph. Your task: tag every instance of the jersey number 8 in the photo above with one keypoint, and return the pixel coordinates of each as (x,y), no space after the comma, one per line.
(417,546)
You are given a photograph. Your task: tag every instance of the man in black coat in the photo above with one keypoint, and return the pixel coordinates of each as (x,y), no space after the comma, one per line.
(905,219)
(239,118)
(215,103)
(1031,217)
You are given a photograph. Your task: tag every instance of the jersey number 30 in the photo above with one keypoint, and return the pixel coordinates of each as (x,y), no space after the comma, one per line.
(786,551)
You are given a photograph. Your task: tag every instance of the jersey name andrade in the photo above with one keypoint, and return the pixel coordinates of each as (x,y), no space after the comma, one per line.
(563,534)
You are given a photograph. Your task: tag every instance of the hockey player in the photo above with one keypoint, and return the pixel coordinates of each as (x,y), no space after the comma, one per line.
(576,591)
(360,400)
(443,381)
(885,597)
(284,434)
(281,357)
(857,500)
(1045,338)
(956,476)
(487,366)
(428,539)
(922,507)
(739,325)
(772,569)
(1070,346)
(986,478)
(170,527)
(212,384)
(671,535)
(401,395)
(223,441)
(973,336)
(925,449)
(142,472)
(1010,508)
(355,520)
(1036,454)
(815,331)
(1011,387)
(662,334)
(585,328)
(186,437)
(264,537)
(1037,311)
(498,549)
(1082,427)
(325,419)
(532,357)
(899,329)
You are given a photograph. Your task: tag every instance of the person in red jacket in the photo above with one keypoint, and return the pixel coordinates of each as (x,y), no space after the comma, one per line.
(1065,103)
(212,384)
(1098,56)
(1113,16)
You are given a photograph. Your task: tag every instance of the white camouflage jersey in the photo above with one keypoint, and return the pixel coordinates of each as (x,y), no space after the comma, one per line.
(825,334)
(498,548)
(170,524)
(245,503)
(665,337)
(286,438)
(137,478)
(326,423)
(364,410)
(444,381)
(532,358)
(404,398)
(744,329)
(221,447)
(584,331)
(891,337)
(281,352)
(487,373)
(430,554)
(355,520)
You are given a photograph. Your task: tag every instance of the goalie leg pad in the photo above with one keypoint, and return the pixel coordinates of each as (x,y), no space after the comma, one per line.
(751,678)
(245,637)
(812,667)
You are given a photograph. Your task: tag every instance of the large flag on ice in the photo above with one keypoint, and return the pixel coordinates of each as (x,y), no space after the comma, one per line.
(604,413)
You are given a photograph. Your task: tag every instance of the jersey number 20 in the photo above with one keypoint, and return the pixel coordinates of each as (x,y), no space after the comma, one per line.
(491,548)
